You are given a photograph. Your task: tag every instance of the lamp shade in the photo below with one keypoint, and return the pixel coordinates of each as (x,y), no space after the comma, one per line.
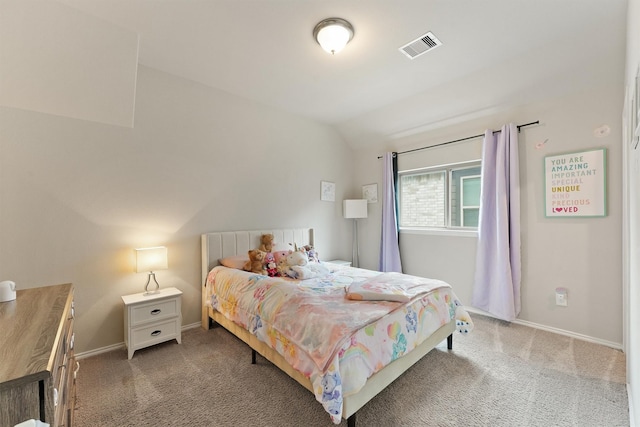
(333,34)
(354,208)
(151,259)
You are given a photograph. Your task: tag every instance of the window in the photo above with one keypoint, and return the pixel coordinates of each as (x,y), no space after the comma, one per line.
(465,197)
(440,197)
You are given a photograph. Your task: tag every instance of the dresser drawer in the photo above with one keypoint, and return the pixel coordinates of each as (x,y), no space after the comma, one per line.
(63,353)
(60,398)
(154,311)
(59,361)
(156,333)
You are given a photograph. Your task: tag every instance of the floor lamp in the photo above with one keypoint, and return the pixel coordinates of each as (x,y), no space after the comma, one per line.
(354,209)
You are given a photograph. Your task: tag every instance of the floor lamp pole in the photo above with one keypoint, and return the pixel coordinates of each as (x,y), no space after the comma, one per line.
(355,255)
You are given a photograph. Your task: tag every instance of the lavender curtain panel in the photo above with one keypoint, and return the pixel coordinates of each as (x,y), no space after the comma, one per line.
(389,247)
(497,277)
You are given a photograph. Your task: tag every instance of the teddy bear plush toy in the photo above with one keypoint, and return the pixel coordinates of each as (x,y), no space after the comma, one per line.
(256,262)
(266,242)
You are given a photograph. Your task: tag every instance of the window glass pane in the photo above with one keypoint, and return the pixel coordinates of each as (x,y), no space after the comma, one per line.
(465,191)
(422,200)
(471,191)
(470,217)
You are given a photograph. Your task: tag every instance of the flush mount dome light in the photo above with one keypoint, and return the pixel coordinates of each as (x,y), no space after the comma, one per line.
(333,34)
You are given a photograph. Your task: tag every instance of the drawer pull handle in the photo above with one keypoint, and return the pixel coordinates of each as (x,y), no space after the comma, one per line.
(156,311)
(75,371)
(73,338)
(155,333)
(55,397)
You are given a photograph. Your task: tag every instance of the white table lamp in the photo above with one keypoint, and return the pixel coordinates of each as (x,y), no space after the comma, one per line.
(355,209)
(150,260)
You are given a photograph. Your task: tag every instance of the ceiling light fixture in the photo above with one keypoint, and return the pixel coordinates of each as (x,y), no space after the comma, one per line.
(333,34)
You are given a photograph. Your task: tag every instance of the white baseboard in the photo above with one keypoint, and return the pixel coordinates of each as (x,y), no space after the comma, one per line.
(617,346)
(191,326)
(100,350)
(120,345)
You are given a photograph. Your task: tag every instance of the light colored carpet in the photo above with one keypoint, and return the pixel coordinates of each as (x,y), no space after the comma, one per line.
(500,375)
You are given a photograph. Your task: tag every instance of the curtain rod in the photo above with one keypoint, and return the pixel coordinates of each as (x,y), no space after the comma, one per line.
(463,139)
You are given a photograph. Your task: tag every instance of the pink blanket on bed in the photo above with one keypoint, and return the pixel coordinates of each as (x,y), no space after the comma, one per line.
(320,332)
(316,320)
(393,287)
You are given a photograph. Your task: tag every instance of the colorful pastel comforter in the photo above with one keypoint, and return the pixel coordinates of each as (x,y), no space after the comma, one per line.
(334,341)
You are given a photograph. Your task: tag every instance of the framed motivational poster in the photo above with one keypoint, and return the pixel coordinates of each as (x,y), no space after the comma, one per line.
(575,184)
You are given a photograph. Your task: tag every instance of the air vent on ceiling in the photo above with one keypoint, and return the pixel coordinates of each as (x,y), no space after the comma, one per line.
(421,45)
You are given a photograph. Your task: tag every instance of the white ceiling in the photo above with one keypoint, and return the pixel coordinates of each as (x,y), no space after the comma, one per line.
(495,54)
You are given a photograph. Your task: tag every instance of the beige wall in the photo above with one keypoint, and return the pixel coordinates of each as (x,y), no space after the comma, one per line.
(76,196)
(581,254)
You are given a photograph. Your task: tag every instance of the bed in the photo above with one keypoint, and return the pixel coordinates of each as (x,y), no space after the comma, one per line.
(336,375)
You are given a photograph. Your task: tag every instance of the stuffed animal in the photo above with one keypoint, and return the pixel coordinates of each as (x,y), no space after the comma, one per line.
(297,258)
(309,270)
(270,264)
(281,262)
(299,267)
(311,253)
(293,259)
(266,242)
(256,262)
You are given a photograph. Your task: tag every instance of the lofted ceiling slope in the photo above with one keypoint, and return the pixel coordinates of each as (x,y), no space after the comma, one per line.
(495,53)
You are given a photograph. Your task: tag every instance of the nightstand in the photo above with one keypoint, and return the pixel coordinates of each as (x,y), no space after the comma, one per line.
(340,262)
(152,318)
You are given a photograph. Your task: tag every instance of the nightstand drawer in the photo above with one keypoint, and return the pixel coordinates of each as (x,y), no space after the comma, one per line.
(152,318)
(156,333)
(154,311)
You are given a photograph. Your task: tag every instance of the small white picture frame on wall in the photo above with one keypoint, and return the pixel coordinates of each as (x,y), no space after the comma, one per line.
(370,192)
(327,191)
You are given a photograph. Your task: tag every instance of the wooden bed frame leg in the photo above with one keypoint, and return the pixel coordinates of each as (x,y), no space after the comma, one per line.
(351,421)
(253,356)
(450,342)
(205,321)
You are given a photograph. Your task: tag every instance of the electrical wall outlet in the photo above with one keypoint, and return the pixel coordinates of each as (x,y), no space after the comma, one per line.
(561,297)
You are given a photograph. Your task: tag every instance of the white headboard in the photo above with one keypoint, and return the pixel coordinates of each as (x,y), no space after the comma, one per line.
(226,243)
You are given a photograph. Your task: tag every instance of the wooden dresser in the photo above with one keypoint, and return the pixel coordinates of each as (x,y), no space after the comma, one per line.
(37,363)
